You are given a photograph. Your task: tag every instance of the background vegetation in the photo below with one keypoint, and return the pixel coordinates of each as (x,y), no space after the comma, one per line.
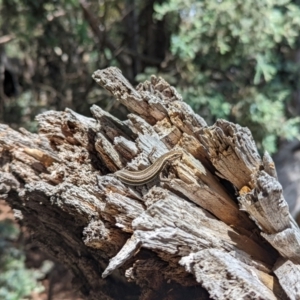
(16,281)
(231,59)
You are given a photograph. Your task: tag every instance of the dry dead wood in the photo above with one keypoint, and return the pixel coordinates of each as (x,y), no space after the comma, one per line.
(218,228)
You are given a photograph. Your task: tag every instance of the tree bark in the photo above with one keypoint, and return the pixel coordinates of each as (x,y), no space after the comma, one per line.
(214,225)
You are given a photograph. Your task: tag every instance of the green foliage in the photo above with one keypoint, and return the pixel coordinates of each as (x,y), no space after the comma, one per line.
(16,282)
(235,62)
(52,45)
(231,59)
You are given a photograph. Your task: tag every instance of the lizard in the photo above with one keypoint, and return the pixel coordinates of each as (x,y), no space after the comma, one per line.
(142,177)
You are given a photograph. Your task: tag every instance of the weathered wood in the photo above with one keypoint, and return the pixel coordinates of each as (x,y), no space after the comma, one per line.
(288,275)
(215,224)
(226,277)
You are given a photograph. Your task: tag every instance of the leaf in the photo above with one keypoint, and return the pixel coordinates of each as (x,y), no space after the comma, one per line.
(263,69)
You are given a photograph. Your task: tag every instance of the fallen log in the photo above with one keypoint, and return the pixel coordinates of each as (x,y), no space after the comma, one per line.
(211,224)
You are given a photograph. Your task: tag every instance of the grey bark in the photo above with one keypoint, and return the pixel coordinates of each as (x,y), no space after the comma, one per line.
(215,227)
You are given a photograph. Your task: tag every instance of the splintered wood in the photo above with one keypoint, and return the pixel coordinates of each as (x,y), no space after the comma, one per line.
(213,224)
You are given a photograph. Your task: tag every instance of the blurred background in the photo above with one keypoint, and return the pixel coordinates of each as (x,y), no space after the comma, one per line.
(232,59)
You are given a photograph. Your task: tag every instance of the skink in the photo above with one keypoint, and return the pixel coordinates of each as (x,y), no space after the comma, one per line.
(147,175)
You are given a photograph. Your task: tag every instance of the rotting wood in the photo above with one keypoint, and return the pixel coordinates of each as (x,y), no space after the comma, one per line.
(219,227)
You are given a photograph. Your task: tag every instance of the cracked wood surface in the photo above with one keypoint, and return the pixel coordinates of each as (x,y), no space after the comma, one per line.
(217,228)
